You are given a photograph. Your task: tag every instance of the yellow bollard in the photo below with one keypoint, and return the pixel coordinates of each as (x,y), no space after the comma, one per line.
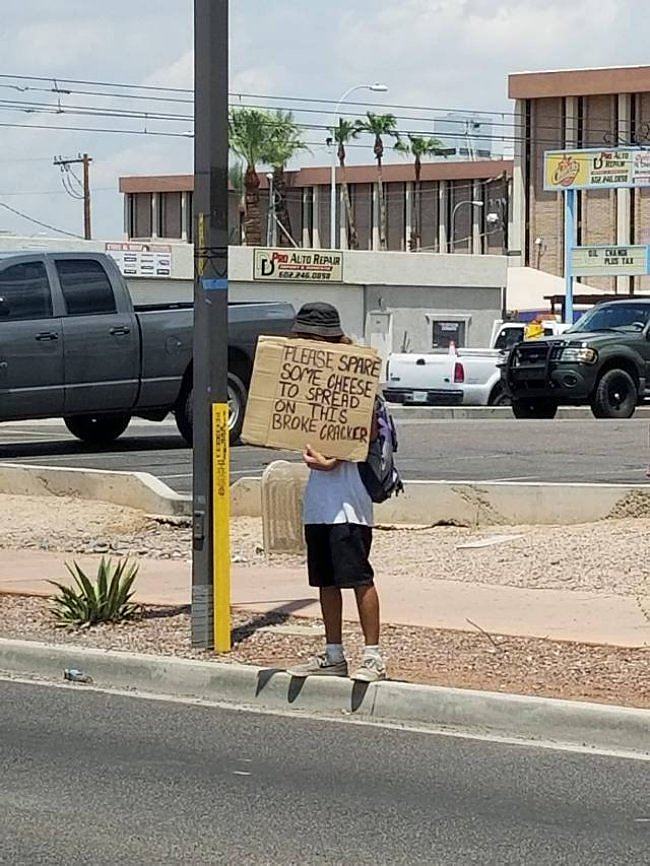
(221,520)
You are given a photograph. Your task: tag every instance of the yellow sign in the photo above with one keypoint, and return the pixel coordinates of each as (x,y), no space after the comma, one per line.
(221,530)
(609,261)
(298,265)
(596,168)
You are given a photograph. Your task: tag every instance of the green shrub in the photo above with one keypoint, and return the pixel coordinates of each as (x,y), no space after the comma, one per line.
(108,599)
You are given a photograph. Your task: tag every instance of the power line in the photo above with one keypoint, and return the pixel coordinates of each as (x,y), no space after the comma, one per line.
(38,222)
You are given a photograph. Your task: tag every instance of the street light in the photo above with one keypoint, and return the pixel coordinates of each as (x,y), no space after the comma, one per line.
(376,88)
(453,218)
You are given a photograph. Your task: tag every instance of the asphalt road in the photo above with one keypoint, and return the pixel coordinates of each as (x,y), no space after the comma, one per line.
(454,450)
(106,779)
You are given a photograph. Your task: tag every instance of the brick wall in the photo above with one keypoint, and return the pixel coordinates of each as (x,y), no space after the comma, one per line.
(546,214)
(599,206)
(641,197)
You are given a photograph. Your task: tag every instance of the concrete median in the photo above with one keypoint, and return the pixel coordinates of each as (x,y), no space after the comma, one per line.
(569,723)
(424,503)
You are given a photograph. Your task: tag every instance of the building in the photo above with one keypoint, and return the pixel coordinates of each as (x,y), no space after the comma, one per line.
(161,206)
(572,109)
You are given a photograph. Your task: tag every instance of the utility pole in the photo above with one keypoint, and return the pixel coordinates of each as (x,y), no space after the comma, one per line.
(211,517)
(83,190)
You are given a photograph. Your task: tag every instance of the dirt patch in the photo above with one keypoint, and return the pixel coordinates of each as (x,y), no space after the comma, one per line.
(446,658)
(608,556)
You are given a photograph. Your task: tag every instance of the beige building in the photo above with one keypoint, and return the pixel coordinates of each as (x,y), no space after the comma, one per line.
(161,206)
(573,109)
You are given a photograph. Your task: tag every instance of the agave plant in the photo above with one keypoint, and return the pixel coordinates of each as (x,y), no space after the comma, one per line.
(107,599)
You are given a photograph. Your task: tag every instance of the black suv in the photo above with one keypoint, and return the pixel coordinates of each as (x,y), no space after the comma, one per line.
(602,361)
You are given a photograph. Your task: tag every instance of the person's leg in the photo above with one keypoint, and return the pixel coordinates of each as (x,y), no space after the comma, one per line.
(331,605)
(319,563)
(368,605)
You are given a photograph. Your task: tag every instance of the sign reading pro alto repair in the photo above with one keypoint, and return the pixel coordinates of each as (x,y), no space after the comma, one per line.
(298,265)
(306,392)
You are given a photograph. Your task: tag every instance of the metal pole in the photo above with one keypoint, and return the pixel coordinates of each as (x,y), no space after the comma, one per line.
(86,178)
(210,553)
(452,239)
(569,242)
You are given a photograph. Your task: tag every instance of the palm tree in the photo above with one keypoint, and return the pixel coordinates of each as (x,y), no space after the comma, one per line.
(285,141)
(418,146)
(380,125)
(236,184)
(346,131)
(249,139)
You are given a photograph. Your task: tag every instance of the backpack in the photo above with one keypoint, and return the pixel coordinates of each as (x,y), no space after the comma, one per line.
(379,475)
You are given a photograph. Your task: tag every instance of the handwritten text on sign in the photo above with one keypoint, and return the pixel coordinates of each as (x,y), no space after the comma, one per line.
(318,391)
(306,392)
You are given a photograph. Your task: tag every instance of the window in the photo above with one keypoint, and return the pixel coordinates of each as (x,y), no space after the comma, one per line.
(446,332)
(85,286)
(510,336)
(25,292)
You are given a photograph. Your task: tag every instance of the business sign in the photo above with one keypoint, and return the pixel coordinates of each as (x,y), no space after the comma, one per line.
(612,261)
(297,265)
(142,260)
(596,168)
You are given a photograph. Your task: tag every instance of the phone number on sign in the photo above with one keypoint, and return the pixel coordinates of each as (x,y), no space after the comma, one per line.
(303,275)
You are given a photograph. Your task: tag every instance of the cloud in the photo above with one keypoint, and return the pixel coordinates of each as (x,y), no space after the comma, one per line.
(437,53)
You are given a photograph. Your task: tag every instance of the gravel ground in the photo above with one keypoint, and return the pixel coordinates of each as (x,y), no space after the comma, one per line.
(449,658)
(609,556)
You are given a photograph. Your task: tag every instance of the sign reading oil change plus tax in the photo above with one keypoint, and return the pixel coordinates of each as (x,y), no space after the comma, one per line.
(297,265)
(596,168)
(305,392)
(609,261)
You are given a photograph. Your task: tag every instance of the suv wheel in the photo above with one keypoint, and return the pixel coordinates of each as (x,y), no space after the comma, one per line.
(532,408)
(615,396)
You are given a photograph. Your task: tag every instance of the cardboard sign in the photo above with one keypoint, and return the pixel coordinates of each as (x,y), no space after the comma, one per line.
(310,392)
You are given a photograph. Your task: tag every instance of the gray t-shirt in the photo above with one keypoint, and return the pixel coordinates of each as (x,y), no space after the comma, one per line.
(338,496)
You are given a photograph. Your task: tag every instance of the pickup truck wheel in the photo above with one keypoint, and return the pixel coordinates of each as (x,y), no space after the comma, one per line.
(97,429)
(540,409)
(615,396)
(237,396)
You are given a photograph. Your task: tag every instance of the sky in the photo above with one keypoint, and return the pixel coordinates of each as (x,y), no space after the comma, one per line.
(439,54)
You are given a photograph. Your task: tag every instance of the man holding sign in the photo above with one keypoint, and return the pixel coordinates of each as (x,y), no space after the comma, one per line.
(317,394)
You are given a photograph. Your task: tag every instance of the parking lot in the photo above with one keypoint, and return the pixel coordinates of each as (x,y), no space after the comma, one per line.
(577,450)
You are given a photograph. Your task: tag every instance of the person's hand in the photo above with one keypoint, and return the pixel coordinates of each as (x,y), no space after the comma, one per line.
(315,460)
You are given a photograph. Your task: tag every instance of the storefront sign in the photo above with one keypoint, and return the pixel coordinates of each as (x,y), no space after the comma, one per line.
(609,261)
(596,168)
(142,260)
(297,265)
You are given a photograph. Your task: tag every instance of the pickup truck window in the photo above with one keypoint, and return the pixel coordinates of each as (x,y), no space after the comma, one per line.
(25,292)
(86,288)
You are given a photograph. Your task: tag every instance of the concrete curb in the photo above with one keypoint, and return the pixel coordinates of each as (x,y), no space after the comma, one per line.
(483,413)
(131,489)
(468,503)
(513,716)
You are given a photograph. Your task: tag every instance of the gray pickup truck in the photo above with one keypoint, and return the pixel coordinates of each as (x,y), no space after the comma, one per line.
(72,345)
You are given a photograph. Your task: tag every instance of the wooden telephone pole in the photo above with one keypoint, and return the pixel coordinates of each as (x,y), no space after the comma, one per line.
(82,190)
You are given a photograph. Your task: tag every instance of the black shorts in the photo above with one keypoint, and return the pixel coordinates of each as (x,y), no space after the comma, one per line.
(337,554)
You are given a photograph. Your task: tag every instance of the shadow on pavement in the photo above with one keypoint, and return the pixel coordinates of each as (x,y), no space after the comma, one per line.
(63,448)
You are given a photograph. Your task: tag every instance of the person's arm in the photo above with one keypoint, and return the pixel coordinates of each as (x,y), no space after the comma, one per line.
(316,461)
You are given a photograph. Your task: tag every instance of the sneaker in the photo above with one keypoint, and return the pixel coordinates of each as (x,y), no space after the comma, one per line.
(372,670)
(320,666)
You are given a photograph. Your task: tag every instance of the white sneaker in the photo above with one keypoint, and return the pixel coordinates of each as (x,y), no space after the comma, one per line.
(371,670)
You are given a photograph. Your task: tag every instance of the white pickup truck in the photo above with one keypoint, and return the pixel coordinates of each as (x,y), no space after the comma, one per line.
(470,377)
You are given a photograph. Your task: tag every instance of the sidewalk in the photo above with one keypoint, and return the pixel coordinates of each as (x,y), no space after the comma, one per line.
(556,614)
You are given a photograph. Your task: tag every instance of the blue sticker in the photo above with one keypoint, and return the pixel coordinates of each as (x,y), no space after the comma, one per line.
(214,285)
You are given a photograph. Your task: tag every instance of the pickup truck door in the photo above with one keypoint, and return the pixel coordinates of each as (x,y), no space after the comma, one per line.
(31,344)
(102,343)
